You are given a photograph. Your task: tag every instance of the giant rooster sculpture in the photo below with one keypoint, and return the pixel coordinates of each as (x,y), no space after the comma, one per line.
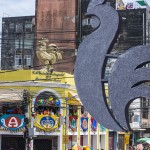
(48,54)
(125,82)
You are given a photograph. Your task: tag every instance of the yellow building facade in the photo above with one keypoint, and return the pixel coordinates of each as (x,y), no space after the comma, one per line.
(55,113)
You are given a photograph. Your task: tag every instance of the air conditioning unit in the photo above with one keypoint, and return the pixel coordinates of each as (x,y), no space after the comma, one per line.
(135,125)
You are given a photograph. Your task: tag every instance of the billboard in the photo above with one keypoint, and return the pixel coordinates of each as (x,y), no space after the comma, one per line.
(130,4)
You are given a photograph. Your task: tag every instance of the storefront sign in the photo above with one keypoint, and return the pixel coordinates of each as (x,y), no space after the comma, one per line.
(93,124)
(124,4)
(46,122)
(54,77)
(129,6)
(73,123)
(127,138)
(84,124)
(65,139)
(55,74)
(12,122)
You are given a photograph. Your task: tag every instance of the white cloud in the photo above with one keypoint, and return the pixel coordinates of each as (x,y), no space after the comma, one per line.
(14,8)
(17,7)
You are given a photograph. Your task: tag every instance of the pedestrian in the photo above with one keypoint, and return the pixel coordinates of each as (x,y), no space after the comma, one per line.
(140,146)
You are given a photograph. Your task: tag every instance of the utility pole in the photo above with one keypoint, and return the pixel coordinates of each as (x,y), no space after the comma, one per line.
(66,121)
(26,99)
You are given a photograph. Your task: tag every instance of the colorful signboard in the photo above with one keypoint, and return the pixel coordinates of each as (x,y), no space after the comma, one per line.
(73,123)
(126,139)
(93,124)
(84,124)
(46,122)
(12,122)
(127,4)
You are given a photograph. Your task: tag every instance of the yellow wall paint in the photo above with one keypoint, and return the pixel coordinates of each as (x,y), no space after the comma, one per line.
(106,139)
(30,75)
(57,77)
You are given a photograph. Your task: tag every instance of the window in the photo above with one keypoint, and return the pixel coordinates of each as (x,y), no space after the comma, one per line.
(27,60)
(4,28)
(145,113)
(18,43)
(28,43)
(19,27)
(11,26)
(18,60)
(28,26)
(145,105)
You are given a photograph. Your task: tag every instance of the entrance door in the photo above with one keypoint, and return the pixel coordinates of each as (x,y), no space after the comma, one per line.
(120,142)
(45,144)
(111,140)
(13,143)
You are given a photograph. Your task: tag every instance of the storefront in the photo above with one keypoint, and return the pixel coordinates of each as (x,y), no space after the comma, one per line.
(12,116)
(46,112)
(46,109)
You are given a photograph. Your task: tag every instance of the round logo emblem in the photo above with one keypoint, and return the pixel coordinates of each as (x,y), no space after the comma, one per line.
(47,122)
(12,122)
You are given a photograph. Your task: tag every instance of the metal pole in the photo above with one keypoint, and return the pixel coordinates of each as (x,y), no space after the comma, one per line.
(66,130)
(27,139)
(27,108)
(132,137)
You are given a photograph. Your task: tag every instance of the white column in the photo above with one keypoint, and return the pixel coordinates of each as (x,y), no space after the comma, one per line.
(98,137)
(85,139)
(103,141)
(89,130)
(60,139)
(94,141)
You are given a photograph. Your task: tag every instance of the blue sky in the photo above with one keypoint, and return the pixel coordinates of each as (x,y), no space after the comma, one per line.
(13,8)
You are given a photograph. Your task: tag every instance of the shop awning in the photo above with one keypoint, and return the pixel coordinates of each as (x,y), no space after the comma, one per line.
(74,99)
(10,95)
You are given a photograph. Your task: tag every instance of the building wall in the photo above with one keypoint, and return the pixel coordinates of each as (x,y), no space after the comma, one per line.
(17,49)
(56,20)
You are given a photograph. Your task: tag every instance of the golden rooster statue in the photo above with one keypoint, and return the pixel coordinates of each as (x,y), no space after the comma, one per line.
(48,54)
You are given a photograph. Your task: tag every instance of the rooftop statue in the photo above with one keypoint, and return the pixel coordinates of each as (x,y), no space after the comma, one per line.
(126,80)
(48,54)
